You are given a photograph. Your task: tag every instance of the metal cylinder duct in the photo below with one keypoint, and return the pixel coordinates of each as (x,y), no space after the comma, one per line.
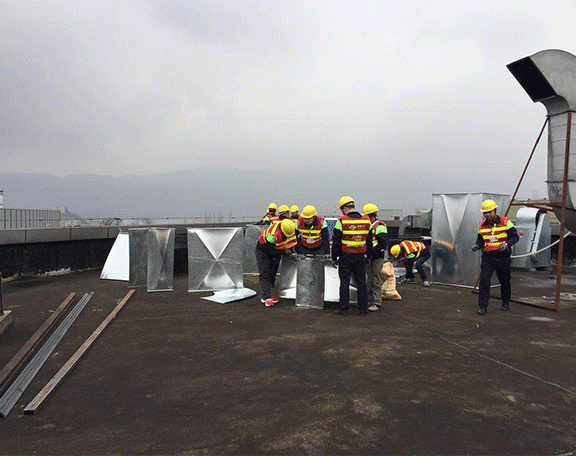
(549,77)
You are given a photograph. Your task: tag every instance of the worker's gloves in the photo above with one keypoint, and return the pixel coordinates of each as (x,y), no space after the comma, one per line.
(335,264)
(503,247)
(475,247)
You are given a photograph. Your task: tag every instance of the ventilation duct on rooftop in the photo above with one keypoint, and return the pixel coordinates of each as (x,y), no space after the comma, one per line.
(549,77)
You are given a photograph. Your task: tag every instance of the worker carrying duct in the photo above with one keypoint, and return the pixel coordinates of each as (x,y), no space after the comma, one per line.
(312,233)
(414,254)
(496,235)
(276,240)
(294,213)
(351,243)
(270,216)
(376,259)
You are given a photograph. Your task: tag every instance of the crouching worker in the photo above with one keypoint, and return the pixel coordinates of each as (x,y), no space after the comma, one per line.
(414,253)
(276,240)
(312,234)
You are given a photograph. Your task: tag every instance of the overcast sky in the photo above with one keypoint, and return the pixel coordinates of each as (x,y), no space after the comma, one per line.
(143,87)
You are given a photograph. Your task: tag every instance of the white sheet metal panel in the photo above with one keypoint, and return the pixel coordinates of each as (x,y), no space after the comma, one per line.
(117,265)
(161,259)
(455,218)
(230,295)
(215,258)
(533,227)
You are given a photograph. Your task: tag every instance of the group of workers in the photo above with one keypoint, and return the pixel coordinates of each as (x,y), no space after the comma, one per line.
(359,243)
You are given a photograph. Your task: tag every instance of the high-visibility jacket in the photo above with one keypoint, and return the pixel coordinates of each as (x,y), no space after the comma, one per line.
(273,235)
(496,235)
(412,249)
(354,233)
(311,236)
(271,219)
(378,227)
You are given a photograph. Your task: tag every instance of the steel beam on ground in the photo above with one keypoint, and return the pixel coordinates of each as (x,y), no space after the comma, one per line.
(51,386)
(11,396)
(10,370)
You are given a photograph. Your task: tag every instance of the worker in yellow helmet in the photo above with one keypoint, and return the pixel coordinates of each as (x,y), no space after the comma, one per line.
(374,269)
(270,215)
(414,254)
(312,233)
(351,242)
(495,237)
(276,240)
(294,213)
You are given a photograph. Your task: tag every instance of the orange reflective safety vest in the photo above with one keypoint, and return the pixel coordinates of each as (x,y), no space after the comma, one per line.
(412,249)
(273,234)
(270,218)
(494,236)
(310,236)
(354,233)
(374,228)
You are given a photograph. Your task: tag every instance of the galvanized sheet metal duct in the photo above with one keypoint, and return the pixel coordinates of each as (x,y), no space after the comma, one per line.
(549,77)
(161,259)
(215,258)
(455,218)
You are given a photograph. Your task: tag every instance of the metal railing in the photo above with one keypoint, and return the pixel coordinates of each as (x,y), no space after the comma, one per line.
(28,218)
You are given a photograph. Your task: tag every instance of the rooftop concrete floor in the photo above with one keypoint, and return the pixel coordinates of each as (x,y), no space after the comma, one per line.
(176,374)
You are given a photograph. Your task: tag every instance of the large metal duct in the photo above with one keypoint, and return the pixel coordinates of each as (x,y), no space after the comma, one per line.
(549,77)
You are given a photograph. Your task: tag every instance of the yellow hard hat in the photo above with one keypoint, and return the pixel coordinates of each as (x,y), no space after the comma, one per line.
(395,250)
(488,205)
(272,206)
(283,208)
(345,200)
(288,228)
(309,211)
(369,209)
(294,208)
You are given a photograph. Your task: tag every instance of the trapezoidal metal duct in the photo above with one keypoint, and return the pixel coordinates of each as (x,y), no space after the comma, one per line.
(549,77)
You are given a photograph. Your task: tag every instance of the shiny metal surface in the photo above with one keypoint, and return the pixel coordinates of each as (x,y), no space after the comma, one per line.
(288,280)
(215,258)
(251,235)
(161,259)
(138,252)
(117,265)
(535,233)
(455,218)
(230,295)
(310,281)
(549,77)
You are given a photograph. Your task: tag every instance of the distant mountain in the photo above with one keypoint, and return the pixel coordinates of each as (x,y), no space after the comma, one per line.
(228,192)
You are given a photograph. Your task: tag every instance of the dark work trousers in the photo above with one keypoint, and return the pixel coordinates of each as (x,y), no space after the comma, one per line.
(409,264)
(487,267)
(348,264)
(267,267)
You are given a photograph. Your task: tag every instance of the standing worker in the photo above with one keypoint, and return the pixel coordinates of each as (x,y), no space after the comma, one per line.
(312,233)
(495,235)
(270,215)
(379,242)
(294,213)
(275,241)
(414,253)
(351,241)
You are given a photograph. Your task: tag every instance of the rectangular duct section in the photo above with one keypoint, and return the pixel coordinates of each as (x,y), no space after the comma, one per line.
(138,252)
(161,259)
(251,235)
(455,218)
(215,258)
